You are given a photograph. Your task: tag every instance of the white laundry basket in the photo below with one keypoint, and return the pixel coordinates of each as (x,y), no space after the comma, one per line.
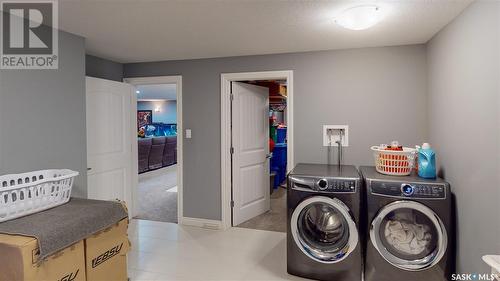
(394,162)
(28,193)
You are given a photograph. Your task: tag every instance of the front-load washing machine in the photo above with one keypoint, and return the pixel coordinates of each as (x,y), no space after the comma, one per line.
(323,236)
(410,228)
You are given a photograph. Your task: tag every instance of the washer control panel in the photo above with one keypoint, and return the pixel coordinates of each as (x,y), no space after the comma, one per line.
(409,190)
(336,185)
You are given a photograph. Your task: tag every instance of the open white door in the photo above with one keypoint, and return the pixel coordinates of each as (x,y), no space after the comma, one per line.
(250,129)
(109,140)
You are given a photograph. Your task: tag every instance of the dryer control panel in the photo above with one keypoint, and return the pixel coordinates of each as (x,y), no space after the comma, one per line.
(409,190)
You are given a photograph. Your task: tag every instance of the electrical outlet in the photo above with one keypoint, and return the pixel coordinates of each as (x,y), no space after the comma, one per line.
(331,134)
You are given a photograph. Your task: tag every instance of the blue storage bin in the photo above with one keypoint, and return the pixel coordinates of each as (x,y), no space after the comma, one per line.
(276,182)
(278,162)
(279,155)
(281,174)
(281,135)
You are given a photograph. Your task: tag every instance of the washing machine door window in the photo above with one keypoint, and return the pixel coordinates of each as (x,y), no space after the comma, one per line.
(323,229)
(409,235)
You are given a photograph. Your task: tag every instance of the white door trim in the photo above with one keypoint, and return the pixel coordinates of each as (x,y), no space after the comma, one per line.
(226,79)
(180,164)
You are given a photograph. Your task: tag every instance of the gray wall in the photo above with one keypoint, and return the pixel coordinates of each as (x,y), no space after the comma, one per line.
(42,116)
(103,68)
(379,92)
(168,113)
(464,75)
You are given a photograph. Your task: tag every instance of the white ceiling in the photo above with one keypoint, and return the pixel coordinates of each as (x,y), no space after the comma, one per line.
(157,92)
(145,30)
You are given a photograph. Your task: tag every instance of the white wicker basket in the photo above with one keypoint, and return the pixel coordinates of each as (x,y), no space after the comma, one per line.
(394,162)
(28,193)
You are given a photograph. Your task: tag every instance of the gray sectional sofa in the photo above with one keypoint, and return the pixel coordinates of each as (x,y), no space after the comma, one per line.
(157,152)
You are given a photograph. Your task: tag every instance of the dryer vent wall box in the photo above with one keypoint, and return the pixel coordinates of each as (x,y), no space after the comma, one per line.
(332,133)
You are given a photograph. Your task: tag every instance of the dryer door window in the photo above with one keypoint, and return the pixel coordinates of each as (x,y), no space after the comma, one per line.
(323,229)
(409,235)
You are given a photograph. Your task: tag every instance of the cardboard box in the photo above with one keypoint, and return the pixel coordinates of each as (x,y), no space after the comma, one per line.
(19,261)
(106,254)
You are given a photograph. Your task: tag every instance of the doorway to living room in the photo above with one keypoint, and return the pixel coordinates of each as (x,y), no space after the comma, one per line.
(158,159)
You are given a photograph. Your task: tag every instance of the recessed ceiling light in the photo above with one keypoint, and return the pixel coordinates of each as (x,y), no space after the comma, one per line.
(137,92)
(359,18)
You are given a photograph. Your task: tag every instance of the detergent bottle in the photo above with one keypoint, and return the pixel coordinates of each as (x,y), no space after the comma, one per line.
(426,162)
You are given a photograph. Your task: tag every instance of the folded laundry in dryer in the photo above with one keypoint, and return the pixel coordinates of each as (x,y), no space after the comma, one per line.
(408,236)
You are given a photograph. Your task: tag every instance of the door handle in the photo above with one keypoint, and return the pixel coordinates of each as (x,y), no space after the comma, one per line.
(88,169)
(269,155)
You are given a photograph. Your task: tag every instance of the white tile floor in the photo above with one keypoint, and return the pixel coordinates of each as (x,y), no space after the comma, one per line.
(167,251)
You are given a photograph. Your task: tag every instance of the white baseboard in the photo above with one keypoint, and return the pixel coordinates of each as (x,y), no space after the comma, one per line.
(203,223)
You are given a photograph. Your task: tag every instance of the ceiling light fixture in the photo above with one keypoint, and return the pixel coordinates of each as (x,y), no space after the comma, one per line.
(359,18)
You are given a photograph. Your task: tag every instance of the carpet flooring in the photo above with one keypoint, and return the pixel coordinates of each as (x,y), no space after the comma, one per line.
(157,195)
(273,220)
